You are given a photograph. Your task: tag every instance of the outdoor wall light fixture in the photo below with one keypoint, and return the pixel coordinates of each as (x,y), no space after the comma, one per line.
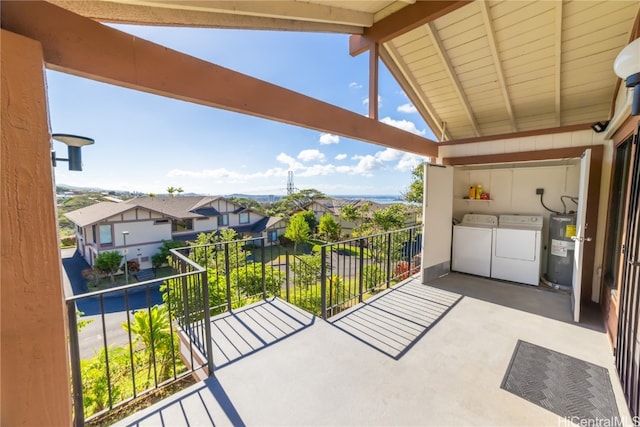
(600,126)
(75,144)
(627,66)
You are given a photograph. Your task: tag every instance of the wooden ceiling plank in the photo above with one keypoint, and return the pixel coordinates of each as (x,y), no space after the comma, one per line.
(454,79)
(486,17)
(401,22)
(83,47)
(557,54)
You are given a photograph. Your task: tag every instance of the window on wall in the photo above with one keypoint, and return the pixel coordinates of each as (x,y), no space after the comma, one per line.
(244,218)
(223,220)
(106,235)
(178,225)
(619,185)
(273,236)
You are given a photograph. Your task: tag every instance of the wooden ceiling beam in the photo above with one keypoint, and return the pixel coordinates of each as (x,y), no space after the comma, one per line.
(80,46)
(521,134)
(298,10)
(401,22)
(126,13)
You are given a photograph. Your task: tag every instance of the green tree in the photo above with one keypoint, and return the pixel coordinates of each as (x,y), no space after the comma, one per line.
(108,263)
(152,330)
(249,279)
(416,188)
(389,218)
(160,258)
(173,189)
(294,202)
(359,216)
(298,230)
(310,217)
(329,227)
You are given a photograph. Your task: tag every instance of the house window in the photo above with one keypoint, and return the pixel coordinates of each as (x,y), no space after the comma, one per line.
(273,236)
(106,236)
(244,218)
(178,225)
(223,220)
(160,221)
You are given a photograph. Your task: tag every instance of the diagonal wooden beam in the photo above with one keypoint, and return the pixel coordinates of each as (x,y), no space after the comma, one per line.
(439,48)
(488,23)
(410,86)
(401,22)
(83,47)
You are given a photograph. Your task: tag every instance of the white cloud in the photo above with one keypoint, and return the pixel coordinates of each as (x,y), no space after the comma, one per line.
(408,162)
(327,138)
(355,85)
(403,124)
(388,155)
(367,164)
(310,155)
(341,157)
(290,161)
(407,108)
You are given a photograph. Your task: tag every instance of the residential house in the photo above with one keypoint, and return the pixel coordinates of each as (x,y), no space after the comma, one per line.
(334,207)
(499,83)
(147,221)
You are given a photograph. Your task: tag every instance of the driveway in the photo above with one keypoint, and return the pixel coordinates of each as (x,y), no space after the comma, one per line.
(73,264)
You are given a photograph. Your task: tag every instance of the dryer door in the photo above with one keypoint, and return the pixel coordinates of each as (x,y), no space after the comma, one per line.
(516,244)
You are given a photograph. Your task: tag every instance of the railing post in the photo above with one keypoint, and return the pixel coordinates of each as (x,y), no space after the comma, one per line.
(76,371)
(361,271)
(264,278)
(323,281)
(227,275)
(410,251)
(207,322)
(286,273)
(389,239)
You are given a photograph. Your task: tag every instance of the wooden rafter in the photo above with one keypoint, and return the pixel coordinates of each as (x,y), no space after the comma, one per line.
(83,47)
(411,88)
(439,48)
(488,23)
(401,22)
(520,134)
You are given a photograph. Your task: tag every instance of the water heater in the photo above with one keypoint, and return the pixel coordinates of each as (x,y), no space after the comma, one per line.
(562,227)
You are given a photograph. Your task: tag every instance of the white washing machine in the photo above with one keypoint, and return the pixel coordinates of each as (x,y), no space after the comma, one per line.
(517,244)
(472,243)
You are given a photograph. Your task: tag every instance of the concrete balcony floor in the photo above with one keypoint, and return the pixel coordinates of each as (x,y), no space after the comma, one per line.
(413,355)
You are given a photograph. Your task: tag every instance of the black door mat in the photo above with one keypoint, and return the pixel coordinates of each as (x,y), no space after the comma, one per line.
(569,387)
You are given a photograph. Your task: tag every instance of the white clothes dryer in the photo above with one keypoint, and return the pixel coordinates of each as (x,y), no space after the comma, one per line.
(472,244)
(517,243)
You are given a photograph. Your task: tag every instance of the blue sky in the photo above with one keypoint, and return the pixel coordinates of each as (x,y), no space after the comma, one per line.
(147,143)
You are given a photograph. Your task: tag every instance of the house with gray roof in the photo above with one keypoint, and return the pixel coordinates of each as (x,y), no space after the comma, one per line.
(148,221)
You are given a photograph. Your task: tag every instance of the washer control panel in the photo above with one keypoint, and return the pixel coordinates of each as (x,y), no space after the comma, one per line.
(520,221)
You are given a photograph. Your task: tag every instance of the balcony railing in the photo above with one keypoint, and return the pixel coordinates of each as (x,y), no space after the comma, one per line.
(155,333)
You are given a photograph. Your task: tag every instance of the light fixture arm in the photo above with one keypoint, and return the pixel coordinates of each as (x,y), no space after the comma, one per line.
(74,147)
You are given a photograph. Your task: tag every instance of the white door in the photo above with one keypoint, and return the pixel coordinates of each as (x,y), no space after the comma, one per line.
(437,211)
(580,238)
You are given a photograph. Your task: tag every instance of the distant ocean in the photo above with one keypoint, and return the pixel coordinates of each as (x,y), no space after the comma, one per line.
(382,199)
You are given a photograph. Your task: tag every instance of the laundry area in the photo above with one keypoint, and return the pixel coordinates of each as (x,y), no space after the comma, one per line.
(517,222)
